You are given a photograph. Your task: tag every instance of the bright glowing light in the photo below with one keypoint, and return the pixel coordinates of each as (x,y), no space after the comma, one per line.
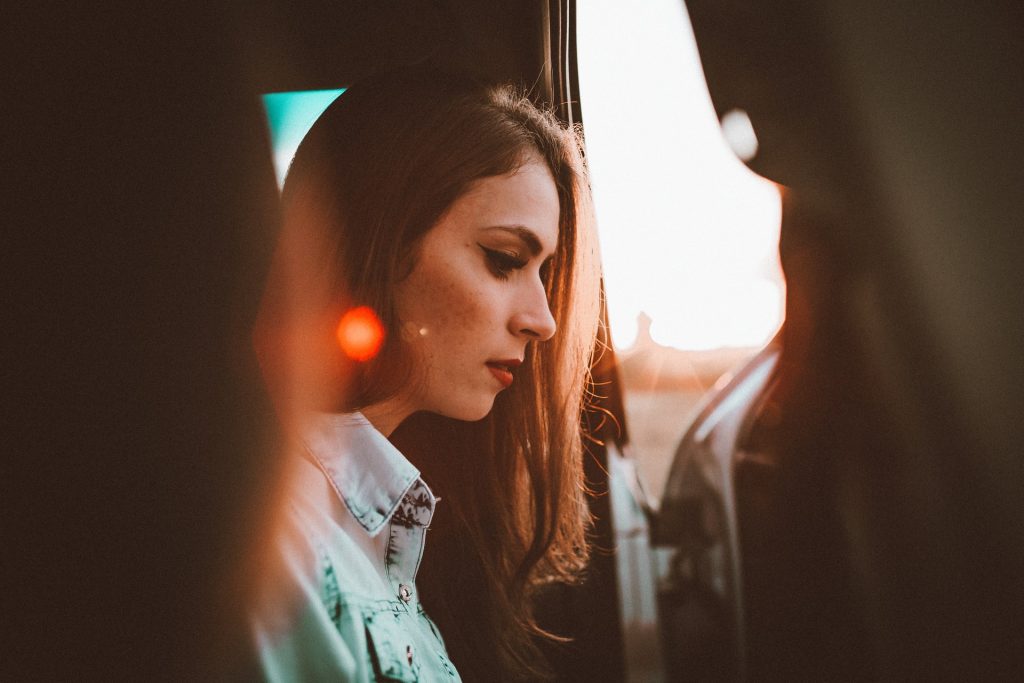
(689,235)
(738,131)
(360,333)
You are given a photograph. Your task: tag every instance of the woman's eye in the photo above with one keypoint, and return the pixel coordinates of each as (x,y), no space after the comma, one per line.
(502,263)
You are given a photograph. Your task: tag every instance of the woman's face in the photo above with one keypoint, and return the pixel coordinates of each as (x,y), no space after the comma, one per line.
(475,297)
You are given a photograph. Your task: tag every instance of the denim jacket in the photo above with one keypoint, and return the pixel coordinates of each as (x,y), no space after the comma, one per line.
(347,608)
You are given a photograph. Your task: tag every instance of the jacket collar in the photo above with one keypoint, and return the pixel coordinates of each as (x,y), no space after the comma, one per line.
(367,472)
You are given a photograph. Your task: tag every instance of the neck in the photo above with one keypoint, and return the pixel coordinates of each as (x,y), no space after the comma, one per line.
(386,415)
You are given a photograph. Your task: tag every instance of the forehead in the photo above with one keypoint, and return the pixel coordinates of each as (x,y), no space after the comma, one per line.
(526,199)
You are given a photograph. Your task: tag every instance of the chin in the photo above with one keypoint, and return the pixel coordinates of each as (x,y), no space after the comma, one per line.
(469,411)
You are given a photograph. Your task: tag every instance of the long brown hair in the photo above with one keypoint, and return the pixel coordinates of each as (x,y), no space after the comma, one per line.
(377,171)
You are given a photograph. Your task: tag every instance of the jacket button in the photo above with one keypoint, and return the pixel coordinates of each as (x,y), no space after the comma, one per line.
(404,592)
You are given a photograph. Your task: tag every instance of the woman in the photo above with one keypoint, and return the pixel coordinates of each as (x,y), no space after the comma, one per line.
(455,216)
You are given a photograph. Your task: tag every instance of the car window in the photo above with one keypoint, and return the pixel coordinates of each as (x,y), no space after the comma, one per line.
(689,235)
(290,116)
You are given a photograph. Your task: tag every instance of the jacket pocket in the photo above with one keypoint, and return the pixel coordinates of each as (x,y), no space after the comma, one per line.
(390,648)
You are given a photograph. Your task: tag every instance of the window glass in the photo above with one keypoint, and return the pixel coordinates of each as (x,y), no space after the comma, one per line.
(290,116)
(689,235)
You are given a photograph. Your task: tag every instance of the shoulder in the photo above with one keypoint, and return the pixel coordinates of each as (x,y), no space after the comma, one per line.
(297,620)
(315,538)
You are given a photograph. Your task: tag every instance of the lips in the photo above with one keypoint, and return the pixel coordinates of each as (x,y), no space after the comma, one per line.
(503,369)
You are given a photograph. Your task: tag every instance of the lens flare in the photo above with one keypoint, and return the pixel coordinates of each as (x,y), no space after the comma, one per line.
(360,333)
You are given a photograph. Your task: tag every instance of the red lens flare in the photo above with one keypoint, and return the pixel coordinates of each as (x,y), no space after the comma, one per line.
(360,333)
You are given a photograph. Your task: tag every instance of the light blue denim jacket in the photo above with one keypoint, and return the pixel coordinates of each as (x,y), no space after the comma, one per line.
(347,607)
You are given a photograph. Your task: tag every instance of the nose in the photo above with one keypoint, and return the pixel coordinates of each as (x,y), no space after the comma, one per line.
(532,317)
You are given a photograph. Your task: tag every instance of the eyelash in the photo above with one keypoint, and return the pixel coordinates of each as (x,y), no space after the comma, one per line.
(502,263)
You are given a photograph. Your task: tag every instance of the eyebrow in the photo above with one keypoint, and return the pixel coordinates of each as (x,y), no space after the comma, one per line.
(529,237)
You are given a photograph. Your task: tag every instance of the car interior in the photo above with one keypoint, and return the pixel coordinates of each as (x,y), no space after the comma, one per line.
(864,520)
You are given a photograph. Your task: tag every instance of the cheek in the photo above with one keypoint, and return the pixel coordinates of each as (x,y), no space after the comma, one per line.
(447,313)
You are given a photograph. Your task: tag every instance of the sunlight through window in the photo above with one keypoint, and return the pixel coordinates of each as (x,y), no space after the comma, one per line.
(689,235)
